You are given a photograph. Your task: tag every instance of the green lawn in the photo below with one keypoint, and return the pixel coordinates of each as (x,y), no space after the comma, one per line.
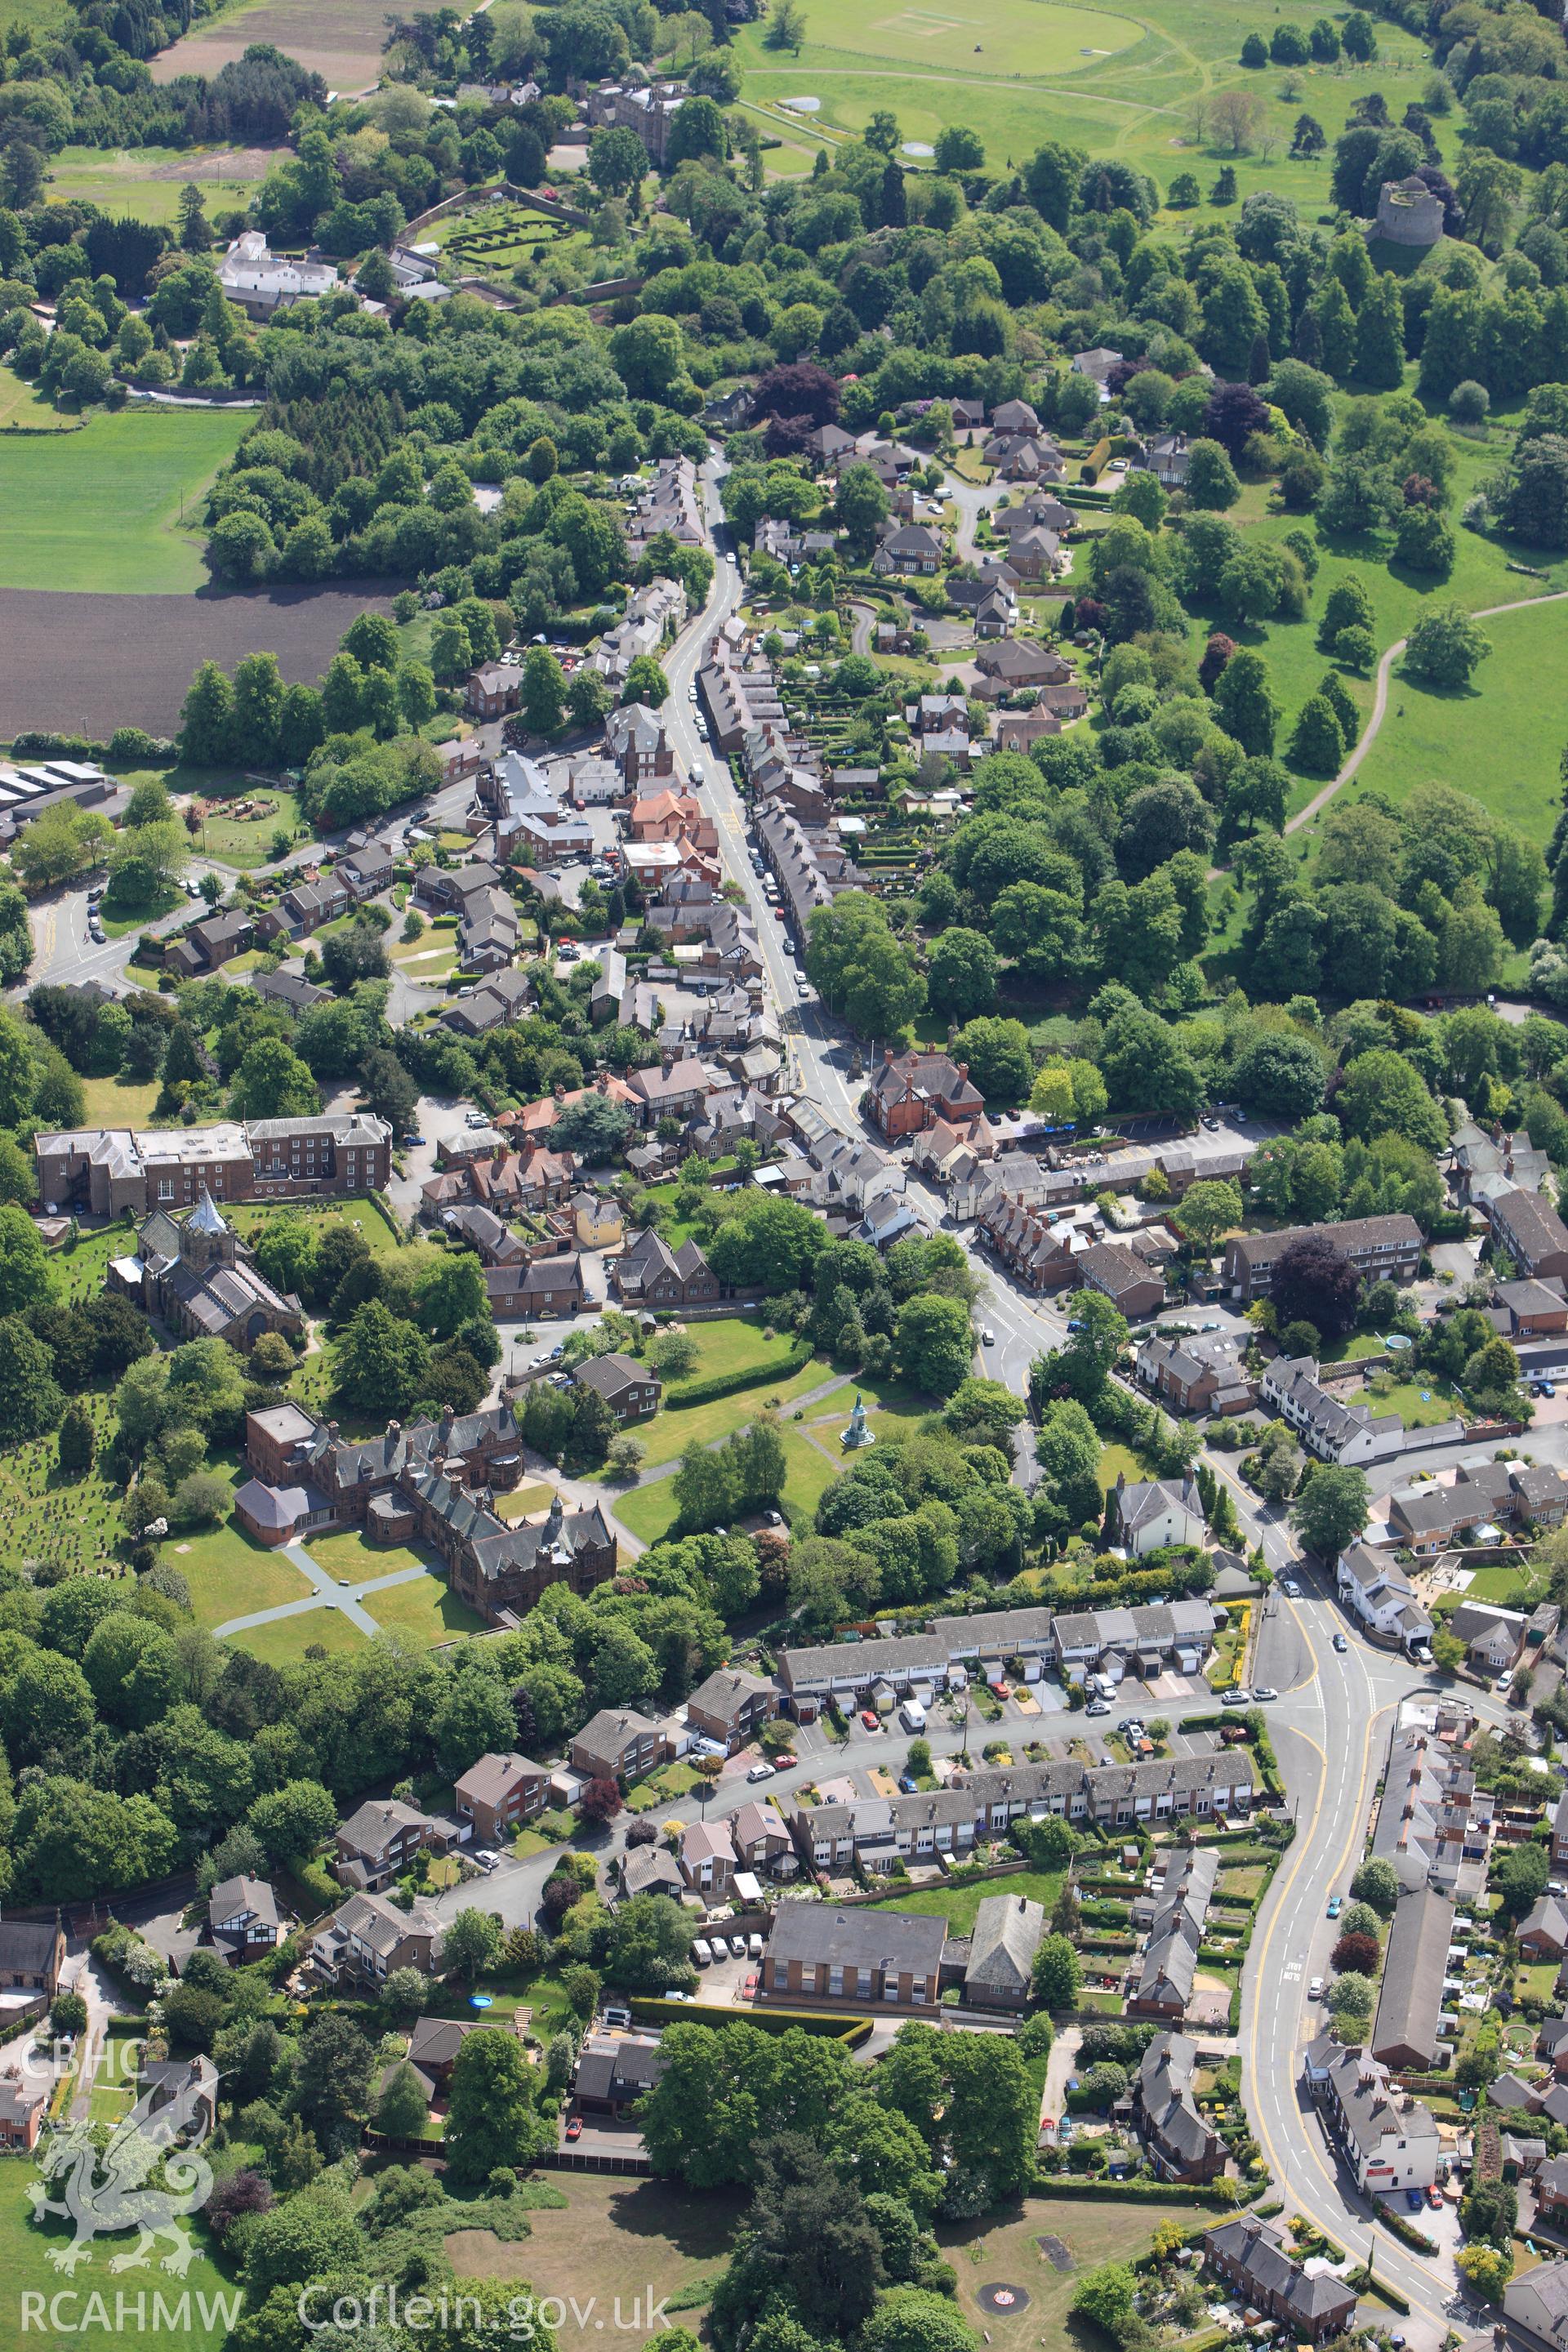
(119,1102)
(198,2325)
(248,841)
(523,1501)
(725,1349)
(250,1219)
(1430,736)
(1107,80)
(426,1612)
(958,1905)
(285,1642)
(651,1511)
(352,1559)
(1416,1410)
(23,404)
(116,506)
(986,2252)
(231,1576)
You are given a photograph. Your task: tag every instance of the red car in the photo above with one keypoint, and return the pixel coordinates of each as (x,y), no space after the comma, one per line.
(870,1719)
(1000,1690)
(782,1761)
(573,2127)
(1435,2198)
(751,1984)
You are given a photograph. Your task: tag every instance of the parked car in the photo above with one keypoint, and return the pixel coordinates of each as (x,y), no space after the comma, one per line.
(573,2127)
(870,1719)
(999,1690)
(1434,2197)
(1315,1989)
(783,1759)
(487,1858)
(761,1772)
(987,1336)
(1097,1706)
(754,1947)
(737,1948)
(1414,2199)
(1336,1904)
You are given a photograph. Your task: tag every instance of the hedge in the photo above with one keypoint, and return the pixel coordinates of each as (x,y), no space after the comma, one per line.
(655,2008)
(1406,2231)
(1385,2293)
(1111,2192)
(723,1384)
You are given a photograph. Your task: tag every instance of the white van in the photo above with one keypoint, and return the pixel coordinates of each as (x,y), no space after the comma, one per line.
(754,1947)
(912,1716)
(701,1953)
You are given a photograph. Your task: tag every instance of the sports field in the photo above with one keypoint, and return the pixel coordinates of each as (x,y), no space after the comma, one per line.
(112,506)
(1099,77)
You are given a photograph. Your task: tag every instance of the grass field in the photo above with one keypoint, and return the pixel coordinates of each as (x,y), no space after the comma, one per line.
(230,1576)
(250,1218)
(611,2242)
(285,1642)
(986,2253)
(23,404)
(103,509)
(1430,736)
(248,841)
(1416,1408)
(1101,78)
(146,181)
(197,2324)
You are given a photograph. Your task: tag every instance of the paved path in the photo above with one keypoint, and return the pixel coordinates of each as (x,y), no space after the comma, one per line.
(1380,705)
(328,1594)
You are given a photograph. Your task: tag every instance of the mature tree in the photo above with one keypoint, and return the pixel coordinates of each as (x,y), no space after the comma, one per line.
(473,1942)
(1315,1282)
(961,975)
(1243,703)
(1376,1884)
(1280,1074)
(1331,1510)
(1444,647)
(1209,1210)
(1057,1974)
(933,1343)
(492,2118)
(379,1363)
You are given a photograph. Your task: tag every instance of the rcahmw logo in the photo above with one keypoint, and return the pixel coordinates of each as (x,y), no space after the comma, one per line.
(71,2312)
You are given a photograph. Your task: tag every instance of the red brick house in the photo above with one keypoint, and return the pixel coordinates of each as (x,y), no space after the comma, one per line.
(911,1091)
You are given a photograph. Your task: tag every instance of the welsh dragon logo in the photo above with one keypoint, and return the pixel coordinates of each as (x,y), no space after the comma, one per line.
(146,2176)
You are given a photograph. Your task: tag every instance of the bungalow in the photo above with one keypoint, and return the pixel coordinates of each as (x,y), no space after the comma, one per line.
(1001,1947)
(1016,661)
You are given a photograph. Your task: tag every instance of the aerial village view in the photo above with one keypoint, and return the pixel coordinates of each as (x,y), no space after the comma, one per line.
(783,1154)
